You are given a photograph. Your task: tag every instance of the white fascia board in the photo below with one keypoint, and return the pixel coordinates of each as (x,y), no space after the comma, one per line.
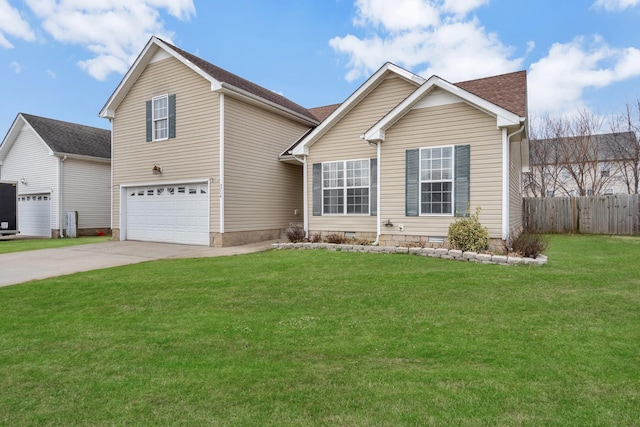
(504,118)
(231,90)
(11,136)
(143,59)
(354,98)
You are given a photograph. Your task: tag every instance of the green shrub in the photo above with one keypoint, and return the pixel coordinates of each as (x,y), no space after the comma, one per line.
(526,244)
(467,234)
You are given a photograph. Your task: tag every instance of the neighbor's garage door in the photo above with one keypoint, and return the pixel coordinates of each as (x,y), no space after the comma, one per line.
(169,213)
(34,215)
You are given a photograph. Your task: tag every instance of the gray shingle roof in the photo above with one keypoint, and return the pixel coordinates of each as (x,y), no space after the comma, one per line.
(225,76)
(71,138)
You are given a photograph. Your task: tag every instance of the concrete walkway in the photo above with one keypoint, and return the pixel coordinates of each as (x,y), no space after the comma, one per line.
(20,267)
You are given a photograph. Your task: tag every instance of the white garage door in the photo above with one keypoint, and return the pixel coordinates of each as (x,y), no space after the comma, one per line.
(33,215)
(169,213)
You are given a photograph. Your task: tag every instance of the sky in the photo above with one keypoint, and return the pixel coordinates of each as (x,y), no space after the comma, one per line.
(63,59)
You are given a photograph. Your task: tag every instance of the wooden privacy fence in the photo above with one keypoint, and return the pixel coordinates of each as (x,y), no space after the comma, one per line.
(615,214)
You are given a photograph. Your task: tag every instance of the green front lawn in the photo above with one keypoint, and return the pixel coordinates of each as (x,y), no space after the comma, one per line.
(318,338)
(22,244)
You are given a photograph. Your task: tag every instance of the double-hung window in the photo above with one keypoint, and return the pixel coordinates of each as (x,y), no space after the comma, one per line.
(345,187)
(160,111)
(436,180)
(161,117)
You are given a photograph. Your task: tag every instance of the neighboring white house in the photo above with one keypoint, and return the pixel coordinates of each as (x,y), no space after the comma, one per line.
(60,167)
(583,166)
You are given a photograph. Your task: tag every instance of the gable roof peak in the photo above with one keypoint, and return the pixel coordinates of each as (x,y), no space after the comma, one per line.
(64,138)
(220,78)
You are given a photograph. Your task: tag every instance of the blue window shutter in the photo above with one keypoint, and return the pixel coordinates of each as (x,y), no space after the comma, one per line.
(317,189)
(149,121)
(373,187)
(462,174)
(172,116)
(412,188)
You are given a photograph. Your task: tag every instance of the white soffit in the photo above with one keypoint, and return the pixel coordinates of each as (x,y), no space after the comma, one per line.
(159,56)
(437,98)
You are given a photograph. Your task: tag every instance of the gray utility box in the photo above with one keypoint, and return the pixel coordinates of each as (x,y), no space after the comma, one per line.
(8,207)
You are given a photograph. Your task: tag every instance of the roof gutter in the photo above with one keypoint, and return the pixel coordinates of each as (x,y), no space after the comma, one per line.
(82,157)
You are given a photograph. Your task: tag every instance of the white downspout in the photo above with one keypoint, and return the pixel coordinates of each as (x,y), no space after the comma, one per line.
(221,179)
(506,149)
(305,196)
(111,179)
(61,196)
(379,214)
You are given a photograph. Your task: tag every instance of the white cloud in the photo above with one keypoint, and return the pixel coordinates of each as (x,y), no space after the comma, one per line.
(13,24)
(51,74)
(16,67)
(438,37)
(612,5)
(114,31)
(558,81)
(397,15)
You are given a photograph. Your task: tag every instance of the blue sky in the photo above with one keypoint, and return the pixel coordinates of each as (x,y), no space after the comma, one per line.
(63,59)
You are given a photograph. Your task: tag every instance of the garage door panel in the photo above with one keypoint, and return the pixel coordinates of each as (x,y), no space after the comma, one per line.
(34,215)
(173,214)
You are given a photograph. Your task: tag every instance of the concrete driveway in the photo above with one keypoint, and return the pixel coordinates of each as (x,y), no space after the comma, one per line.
(20,267)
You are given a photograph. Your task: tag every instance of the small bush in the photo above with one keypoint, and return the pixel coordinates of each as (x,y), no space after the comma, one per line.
(527,244)
(335,238)
(295,234)
(467,234)
(316,238)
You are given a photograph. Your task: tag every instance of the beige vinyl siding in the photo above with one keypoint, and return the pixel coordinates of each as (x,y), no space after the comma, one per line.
(260,192)
(192,155)
(86,190)
(515,186)
(31,159)
(453,124)
(343,142)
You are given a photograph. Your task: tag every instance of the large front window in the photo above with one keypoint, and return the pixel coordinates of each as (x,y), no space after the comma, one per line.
(436,180)
(345,183)
(160,117)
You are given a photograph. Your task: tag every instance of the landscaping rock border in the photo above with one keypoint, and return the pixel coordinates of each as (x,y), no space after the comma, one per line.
(443,253)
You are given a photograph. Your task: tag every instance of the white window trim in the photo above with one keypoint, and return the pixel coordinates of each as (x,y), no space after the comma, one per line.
(154,119)
(453,178)
(344,187)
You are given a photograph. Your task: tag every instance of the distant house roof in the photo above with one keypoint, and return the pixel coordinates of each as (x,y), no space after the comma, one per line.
(609,146)
(220,78)
(64,138)
(508,91)
(322,113)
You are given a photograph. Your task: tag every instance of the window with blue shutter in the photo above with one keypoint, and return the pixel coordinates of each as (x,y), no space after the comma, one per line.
(161,118)
(462,174)
(437,180)
(412,196)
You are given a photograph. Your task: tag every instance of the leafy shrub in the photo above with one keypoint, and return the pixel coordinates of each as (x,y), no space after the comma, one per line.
(467,234)
(335,238)
(527,244)
(295,233)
